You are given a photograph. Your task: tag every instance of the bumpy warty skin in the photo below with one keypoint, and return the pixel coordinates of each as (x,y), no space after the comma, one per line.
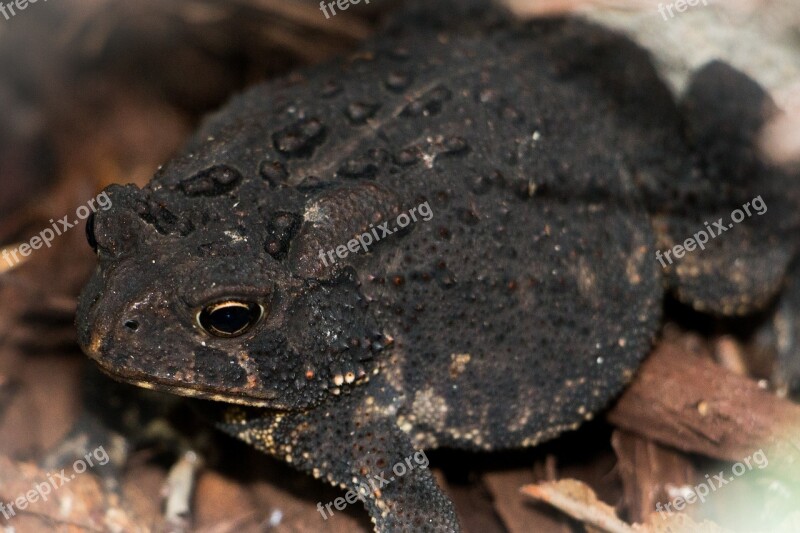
(554,163)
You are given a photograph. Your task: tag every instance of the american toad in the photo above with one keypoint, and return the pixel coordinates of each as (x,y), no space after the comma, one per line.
(539,168)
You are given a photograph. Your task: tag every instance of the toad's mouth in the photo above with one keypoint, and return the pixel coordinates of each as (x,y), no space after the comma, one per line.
(146,380)
(266,399)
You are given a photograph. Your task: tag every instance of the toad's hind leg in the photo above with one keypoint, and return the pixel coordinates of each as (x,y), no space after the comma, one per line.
(538,344)
(743,207)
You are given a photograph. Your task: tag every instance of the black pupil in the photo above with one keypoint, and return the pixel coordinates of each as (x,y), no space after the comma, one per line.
(229,319)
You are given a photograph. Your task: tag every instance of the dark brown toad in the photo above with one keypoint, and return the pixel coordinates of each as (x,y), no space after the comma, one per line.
(514,182)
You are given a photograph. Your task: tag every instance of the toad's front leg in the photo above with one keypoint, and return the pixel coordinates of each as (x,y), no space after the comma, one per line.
(362,452)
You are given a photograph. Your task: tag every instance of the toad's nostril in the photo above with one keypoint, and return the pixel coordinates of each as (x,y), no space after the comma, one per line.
(132,325)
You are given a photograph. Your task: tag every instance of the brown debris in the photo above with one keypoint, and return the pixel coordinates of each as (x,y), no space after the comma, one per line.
(730,356)
(179,489)
(645,468)
(78,505)
(694,405)
(517,515)
(578,500)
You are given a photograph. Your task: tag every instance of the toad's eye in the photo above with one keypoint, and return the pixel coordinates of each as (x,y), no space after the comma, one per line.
(230,318)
